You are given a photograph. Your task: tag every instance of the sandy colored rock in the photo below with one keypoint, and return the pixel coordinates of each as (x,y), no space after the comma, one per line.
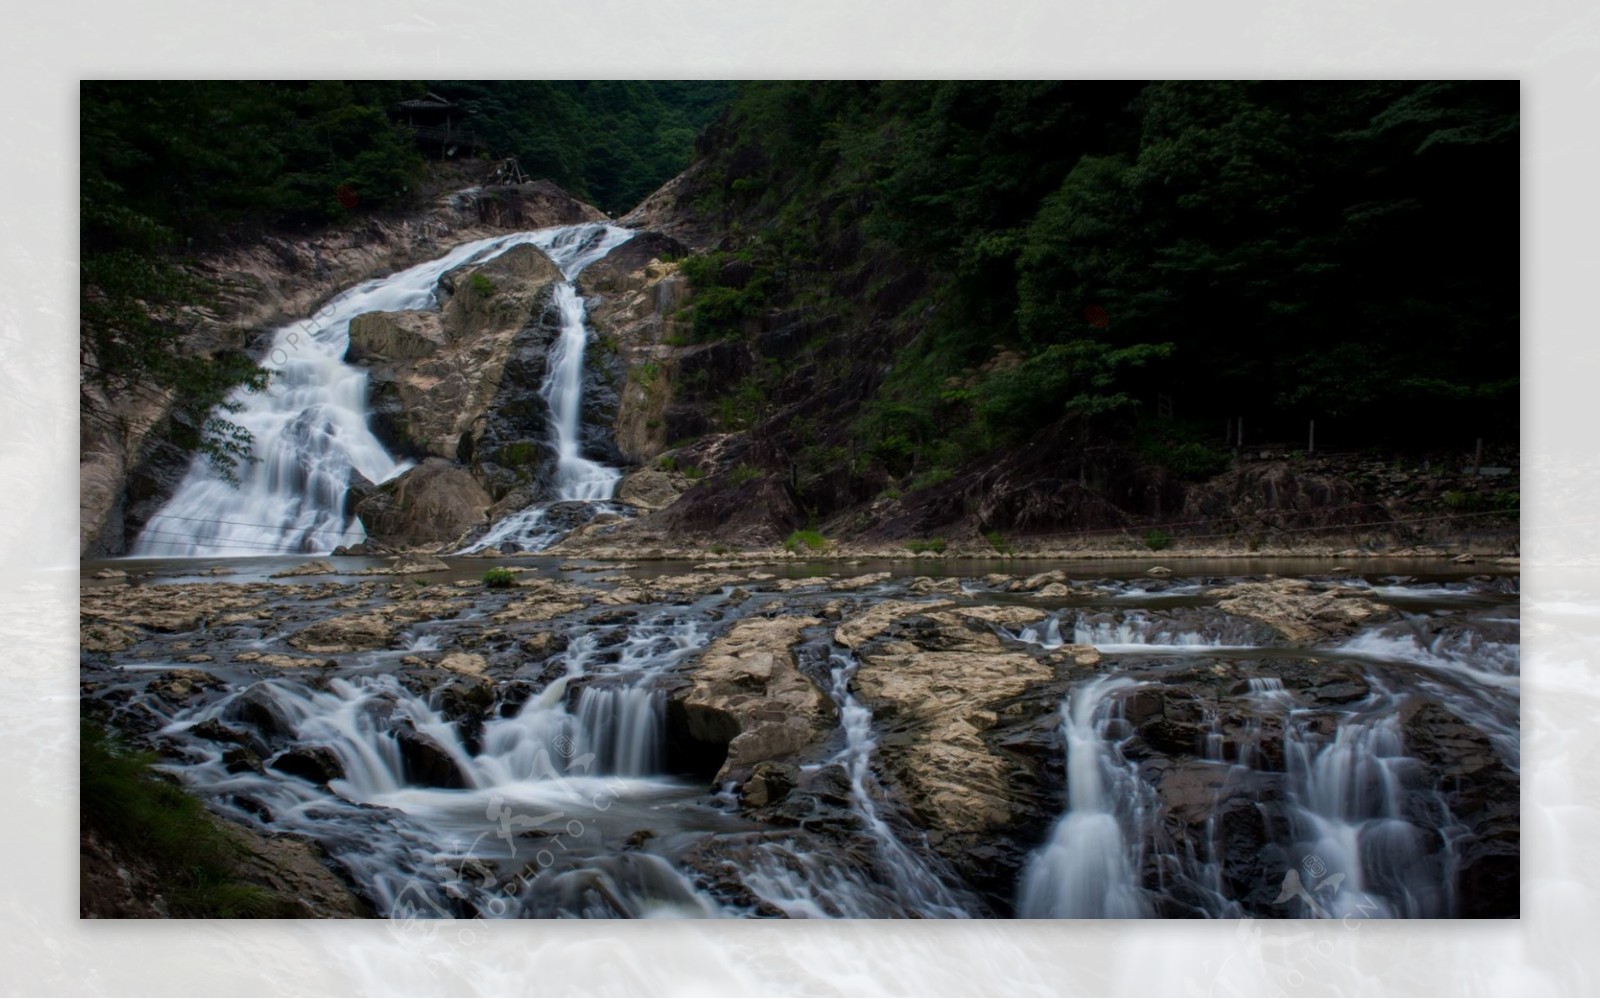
(1300,610)
(748,691)
(316,567)
(351,633)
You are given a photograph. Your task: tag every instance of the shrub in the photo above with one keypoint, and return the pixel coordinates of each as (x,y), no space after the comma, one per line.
(930,478)
(809,540)
(1156,539)
(926,545)
(499,578)
(720,549)
(744,473)
(481,284)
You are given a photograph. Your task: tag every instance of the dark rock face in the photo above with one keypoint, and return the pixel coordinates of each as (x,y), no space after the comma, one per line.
(316,764)
(426,762)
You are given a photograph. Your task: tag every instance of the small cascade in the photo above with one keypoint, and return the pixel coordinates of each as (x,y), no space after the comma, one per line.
(589,774)
(578,478)
(1090,867)
(916,888)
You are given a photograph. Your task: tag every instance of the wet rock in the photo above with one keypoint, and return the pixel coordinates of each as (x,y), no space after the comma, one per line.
(748,701)
(768,783)
(317,764)
(242,759)
(1299,609)
(426,762)
(352,633)
(182,685)
(256,707)
(104,636)
(316,567)
(830,784)
(937,680)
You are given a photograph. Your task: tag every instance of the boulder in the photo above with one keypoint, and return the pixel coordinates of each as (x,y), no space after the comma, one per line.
(652,488)
(748,702)
(433,503)
(426,762)
(317,764)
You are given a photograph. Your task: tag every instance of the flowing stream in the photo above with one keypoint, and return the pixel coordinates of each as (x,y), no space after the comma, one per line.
(310,429)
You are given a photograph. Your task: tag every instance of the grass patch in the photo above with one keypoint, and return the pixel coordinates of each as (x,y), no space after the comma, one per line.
(998,542)
(808,541)
(744,473)
(128,805)
(1157,540)
(926,545)
(499,578)
(481,284)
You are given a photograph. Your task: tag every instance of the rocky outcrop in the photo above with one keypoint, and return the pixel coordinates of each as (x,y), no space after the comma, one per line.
(434,503)
(748,702)
(937,678)
(637,296)
(1301,610)
(439,379)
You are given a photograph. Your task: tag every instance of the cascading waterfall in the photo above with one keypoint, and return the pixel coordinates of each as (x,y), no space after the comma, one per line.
(310,430)
(588,775)
(577,478)
(1089,869)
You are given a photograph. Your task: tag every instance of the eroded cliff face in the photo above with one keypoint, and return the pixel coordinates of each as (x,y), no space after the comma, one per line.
(128,464)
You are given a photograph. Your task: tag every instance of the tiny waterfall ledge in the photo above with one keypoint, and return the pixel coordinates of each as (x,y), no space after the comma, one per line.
(310,427)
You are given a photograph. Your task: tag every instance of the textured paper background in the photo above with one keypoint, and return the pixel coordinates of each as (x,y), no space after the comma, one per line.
(45,49)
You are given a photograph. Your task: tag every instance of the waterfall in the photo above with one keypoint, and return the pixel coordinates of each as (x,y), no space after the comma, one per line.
(577,478)
(1089,869)
(541,773)
(310,429)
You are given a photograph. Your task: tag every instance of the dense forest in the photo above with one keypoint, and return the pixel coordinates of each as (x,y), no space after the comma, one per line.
(1102,252)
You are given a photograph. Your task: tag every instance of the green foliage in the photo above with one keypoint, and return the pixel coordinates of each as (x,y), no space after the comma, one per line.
(719,549)
(930,478)
(499,578)
(806,541)
(610,142)
(481,284)
(921,545)
(647,373)
(517,454)
(728,290)
(127,804)
(1157,540)
(998,542)
(744,473)
(1180,448)
(693,473)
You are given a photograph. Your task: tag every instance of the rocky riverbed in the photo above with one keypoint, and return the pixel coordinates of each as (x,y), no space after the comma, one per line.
(885,738)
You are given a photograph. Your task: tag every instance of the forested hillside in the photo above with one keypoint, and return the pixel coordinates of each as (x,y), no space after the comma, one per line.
(1278,251)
